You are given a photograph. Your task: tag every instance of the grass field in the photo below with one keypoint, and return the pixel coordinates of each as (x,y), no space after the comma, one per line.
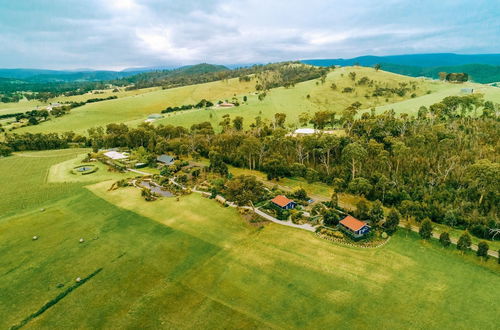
(195,264)
(133,107)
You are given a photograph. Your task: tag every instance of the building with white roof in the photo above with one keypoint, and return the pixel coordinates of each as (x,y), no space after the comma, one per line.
(115,155)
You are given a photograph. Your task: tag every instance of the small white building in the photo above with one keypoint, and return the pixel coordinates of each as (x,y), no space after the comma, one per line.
(115,155)
(225,105)
(305,131)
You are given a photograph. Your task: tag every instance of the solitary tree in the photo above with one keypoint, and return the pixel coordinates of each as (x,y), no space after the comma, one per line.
(482,249)
(377,66)
(376,213)
(392,222)
(362,210)
(279,120)
(353,154)
(244,189)
(444,238)
(330,217)
(426,229)
(464,242)
(238,123)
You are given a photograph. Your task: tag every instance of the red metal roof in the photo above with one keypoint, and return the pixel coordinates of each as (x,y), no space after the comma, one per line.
(281,200)
(352,223)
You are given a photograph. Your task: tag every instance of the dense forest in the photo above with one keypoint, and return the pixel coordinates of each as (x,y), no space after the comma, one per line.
(442,164)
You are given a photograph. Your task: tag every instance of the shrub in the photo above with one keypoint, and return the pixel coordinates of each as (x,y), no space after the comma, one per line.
(425,230)
(482,249)
(464,242)
(444,238)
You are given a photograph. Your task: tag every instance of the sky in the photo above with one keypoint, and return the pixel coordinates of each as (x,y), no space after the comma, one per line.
(118,34)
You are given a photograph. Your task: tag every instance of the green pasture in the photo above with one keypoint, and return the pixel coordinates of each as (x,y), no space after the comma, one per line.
(194,264)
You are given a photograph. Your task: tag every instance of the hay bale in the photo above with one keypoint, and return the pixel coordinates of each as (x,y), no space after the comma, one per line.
(82,240)
(35,238)
(78,279)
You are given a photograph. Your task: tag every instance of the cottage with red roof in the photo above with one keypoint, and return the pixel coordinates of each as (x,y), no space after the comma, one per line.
(283,202)
(354,227)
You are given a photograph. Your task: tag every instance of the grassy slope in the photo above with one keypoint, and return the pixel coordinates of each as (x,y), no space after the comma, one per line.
(134,109)
(294,101)
(167,265)
(443,90)
(138,107)
(25,105)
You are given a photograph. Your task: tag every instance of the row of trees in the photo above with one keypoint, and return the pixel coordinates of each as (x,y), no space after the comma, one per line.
(464,242)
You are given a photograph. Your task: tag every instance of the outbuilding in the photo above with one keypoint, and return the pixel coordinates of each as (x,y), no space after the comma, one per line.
(165,160)
(283,202)
(115,155)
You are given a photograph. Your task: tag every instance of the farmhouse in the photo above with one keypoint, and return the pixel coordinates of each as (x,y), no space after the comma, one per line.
(467,90)
(283,202)
(165,160)
(52,106)
(115,155)
(354,227)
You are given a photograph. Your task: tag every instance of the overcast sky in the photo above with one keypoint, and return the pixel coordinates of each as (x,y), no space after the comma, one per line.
(117,34)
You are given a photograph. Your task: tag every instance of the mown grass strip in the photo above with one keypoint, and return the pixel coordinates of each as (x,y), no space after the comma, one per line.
(54,301)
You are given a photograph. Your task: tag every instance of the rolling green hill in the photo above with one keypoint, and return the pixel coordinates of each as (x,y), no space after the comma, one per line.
(134,109)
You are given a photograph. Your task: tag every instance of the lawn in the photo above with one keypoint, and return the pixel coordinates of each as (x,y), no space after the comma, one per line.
(195,264)
(62,172)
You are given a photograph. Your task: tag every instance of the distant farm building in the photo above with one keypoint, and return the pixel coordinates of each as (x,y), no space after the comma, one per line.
(115,155)
(283,202)
(165,160)
(467,90)
(225,105)
(309,131)
(151,118)
(305,131)
(354,227)
(52,106)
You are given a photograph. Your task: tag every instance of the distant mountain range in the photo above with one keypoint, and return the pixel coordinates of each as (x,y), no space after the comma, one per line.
(422,60)
(483,68)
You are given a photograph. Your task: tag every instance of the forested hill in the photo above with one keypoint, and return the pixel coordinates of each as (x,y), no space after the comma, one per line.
(43,76)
